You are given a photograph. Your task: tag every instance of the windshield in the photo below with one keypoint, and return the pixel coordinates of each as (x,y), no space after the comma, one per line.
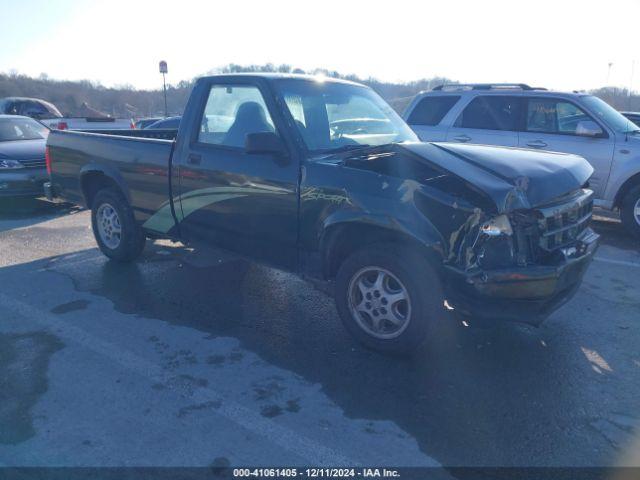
(12,129)
(335,116)
(609,115)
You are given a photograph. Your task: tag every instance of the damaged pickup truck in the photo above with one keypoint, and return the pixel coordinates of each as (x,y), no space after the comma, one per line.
(320,177)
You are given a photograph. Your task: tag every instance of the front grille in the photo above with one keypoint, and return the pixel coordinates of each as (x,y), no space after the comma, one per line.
(34,163)
(561,223)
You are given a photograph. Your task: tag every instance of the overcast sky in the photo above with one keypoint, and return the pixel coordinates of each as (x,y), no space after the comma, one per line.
(558,44)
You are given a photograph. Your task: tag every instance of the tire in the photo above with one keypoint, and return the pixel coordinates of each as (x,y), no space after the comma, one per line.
(630,211)
(110,214)
(405,272)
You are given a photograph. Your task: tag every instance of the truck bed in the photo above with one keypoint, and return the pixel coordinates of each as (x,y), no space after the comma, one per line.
(160,133)
(88,123)
(138,160)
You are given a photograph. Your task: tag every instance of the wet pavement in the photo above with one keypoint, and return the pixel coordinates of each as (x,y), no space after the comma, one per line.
(193,358)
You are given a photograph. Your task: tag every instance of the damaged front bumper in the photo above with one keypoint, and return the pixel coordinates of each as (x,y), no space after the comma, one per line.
(526,294)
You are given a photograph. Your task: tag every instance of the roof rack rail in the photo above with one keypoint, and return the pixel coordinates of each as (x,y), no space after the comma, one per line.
(486,86)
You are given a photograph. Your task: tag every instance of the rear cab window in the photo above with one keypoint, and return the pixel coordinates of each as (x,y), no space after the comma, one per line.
(492,112)
(430,110)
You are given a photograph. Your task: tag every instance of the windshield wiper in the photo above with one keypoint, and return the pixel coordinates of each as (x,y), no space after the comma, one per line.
(346,148)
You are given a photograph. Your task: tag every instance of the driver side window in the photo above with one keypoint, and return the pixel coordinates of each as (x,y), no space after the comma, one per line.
(546,115)
(231,113)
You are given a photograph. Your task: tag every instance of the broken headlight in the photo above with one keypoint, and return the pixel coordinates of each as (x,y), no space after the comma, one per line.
(495,245)
(497,226)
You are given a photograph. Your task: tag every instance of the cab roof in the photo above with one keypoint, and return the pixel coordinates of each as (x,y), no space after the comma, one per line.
(275,76)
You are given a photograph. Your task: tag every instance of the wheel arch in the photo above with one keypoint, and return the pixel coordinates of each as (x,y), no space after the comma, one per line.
(342,238)
(94,178)
(631,182)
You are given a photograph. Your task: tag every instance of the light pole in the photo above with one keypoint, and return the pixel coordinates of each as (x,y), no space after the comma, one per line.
(633,70)
(609,73)
(164,70)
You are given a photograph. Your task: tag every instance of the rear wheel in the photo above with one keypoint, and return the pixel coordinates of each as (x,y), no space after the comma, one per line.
(389,300)
(630,211)
(118,235)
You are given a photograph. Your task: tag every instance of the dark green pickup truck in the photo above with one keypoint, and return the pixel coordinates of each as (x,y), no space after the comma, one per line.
(320,177)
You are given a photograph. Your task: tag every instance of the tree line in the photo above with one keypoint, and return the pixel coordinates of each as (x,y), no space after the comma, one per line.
(127,101)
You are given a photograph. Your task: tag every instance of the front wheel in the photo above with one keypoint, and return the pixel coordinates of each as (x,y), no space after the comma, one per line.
(630,211)
(118,235)
(389,299)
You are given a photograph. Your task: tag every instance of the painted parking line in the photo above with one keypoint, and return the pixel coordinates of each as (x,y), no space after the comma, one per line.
(617,262)
(311,451)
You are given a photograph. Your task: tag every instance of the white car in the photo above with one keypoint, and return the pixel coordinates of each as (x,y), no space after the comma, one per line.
(516,115)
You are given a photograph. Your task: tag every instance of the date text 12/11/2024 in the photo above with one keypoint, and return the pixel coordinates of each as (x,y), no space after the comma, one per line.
(315,473)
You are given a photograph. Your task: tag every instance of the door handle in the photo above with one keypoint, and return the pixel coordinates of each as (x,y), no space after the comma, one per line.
(194,159)
(462,138)
(537,144)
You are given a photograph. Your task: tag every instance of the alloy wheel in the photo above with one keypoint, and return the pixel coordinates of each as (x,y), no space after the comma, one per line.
(379,302)
(109,227)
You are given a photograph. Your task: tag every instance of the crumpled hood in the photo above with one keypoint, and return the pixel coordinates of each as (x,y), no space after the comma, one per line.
(23,149)
(514,178)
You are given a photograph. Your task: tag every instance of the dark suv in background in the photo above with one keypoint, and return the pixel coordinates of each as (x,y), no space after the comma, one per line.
(29,107)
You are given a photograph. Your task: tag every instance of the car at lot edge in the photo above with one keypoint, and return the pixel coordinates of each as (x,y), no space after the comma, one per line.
(517,115)
(633,116)
(165,123)
(279,169)
(22,156)
(145,122)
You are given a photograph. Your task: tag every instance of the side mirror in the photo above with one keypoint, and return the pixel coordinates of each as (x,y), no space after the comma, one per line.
(264,142)
(588,128)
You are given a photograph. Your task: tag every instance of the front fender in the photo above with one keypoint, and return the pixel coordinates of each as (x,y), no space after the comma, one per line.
(424,234)
(347,231)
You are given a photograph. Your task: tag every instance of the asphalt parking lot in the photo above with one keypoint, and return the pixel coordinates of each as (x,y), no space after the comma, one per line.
(194,359)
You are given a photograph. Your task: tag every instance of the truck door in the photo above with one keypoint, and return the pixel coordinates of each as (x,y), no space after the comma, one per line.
(229,198)
(561,126)
(488,120)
